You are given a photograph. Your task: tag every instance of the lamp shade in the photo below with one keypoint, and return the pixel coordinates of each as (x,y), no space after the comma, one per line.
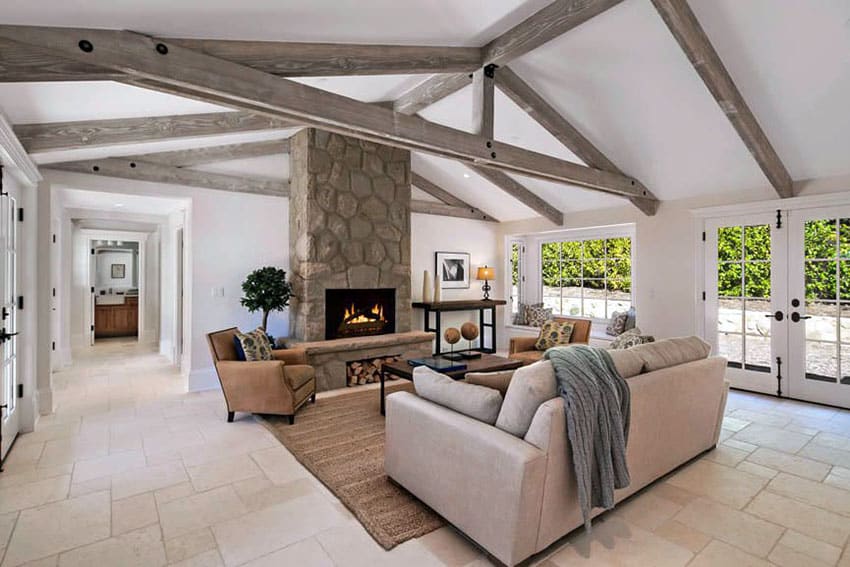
(486,273)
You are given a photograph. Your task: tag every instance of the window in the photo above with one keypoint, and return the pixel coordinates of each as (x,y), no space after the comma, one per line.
(515,267)
(587,277)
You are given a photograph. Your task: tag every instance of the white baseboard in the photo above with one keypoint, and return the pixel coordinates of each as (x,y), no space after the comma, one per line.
(203,379)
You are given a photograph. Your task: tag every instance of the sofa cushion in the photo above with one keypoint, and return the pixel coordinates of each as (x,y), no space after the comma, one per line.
(530,386)
(477,402)
(497,380)
(554,333)
(670,352)
(627,362)
(631,338)
(298,374)
(255,344)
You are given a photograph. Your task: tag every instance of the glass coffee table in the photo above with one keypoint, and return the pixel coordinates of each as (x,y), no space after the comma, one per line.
(487,363)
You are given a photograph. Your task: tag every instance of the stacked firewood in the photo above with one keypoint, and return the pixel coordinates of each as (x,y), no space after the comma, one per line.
(367,371)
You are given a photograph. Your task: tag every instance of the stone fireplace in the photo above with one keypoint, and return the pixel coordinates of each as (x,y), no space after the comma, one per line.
(359,312)
(349,222)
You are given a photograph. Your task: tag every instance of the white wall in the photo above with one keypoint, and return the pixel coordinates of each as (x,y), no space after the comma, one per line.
(429,234)
(227,236)
(103,269)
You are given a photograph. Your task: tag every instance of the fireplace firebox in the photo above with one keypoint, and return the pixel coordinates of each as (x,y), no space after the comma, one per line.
(359,312)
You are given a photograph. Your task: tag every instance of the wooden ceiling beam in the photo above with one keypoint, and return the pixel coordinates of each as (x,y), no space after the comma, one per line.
(544,25)
(149,58)
(138,170)
(286,59)
(685,27)
(57,136)
(448,199)
(442,209)
(522,194)
(483,101)
(545,114)
(214,154)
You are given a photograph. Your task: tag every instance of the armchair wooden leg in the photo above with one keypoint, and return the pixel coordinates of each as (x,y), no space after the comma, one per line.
(292,419)
(230,416)
(313,398)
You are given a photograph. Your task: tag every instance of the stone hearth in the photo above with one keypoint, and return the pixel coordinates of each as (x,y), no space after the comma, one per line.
(349,212)
(330,358)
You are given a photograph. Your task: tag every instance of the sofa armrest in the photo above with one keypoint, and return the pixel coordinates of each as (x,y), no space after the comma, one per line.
(483,480)
(291,355)
(256,386)
(522,344)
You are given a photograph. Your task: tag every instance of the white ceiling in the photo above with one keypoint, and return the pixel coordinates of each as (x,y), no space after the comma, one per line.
(119,203)
(620,78)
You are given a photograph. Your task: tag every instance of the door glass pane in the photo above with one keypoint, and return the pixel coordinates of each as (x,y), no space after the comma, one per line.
(757,242)
(729,280)
(823,275)
(757,279)
(730,315)
(729,244)
(571,250)
(758,353)
(731,345)
(619,248)
(820,241)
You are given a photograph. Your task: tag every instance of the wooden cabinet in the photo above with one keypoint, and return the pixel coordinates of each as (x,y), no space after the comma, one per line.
(121,320)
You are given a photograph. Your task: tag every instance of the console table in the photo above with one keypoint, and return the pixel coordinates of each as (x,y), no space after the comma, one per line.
(480,305)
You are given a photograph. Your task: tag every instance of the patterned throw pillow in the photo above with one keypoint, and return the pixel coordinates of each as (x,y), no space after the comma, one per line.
(617,324)
(554,333)
(536,315)
(631,338)
(255,344)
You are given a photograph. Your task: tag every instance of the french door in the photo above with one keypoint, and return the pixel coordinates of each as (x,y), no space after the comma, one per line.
(819,305)
(9,314)
(778,301)
(745,299)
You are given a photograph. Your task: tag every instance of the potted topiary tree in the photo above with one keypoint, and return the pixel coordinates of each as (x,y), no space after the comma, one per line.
(266,290)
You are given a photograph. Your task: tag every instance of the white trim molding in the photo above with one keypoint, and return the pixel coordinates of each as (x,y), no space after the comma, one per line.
(15,157)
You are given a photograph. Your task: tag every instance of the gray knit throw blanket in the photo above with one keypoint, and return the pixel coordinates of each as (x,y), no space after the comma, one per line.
(597,406)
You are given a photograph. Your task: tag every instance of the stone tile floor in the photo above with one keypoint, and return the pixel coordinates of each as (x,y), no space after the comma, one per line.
(131,471)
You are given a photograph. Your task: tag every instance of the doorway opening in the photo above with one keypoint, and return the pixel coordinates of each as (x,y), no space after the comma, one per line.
(115,265)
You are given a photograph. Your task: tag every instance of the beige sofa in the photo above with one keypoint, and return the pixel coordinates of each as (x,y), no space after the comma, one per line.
(514,496)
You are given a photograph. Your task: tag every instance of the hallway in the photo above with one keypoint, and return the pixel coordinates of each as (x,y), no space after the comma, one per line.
(132,471)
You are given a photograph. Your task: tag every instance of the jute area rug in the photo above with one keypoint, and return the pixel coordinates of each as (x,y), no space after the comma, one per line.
(341,441)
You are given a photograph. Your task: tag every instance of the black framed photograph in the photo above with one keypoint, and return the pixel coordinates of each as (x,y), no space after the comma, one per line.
(453,269)
(118,271)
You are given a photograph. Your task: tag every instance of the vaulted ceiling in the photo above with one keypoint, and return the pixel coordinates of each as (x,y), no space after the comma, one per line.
(620,78)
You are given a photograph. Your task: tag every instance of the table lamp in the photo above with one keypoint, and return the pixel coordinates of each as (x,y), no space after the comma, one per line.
(486,273)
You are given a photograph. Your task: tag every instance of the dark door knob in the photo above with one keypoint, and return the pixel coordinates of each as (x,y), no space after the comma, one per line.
(779,315)
(796,317)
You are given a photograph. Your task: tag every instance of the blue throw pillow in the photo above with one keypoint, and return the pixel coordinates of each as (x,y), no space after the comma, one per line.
(240,352)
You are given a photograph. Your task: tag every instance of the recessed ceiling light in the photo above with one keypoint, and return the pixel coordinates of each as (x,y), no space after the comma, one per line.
(466,175)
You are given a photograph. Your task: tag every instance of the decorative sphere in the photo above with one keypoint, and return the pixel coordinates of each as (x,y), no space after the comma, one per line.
(469,330)
(451,335)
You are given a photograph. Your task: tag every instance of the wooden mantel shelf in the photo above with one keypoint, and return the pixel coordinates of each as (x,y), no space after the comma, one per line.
(458,305)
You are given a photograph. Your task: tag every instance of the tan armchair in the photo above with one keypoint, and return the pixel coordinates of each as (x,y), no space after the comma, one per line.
(279,386)
(522,348)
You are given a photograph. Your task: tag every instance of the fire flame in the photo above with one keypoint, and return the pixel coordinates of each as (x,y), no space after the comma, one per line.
(376,310)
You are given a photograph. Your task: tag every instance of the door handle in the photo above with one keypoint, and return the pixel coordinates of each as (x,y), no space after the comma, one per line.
(779,315)
(4,336)
(796,317)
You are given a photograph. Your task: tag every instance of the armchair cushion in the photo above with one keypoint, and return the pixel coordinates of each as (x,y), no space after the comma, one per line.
(554,333)
(291,356)
(255,345)
(298,374)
